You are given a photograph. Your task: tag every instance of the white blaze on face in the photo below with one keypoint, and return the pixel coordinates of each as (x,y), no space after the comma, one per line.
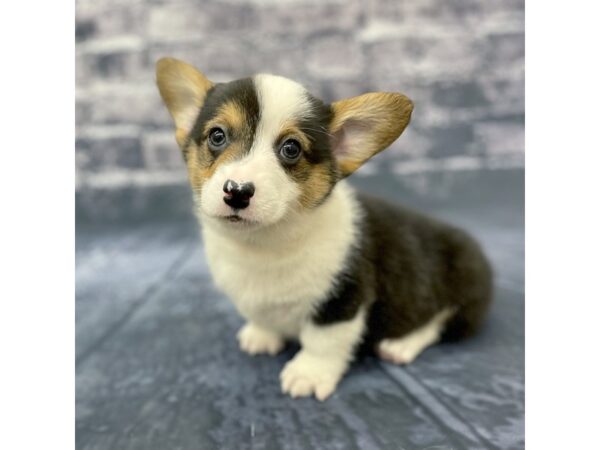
(280,101)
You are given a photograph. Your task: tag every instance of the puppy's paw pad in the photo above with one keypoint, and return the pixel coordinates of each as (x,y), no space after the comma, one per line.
(256,341)
(303,377)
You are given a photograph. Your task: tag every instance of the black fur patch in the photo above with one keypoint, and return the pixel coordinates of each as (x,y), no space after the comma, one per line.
(408,269)
(315,125)
(353,288)
(242,92)
(317,129)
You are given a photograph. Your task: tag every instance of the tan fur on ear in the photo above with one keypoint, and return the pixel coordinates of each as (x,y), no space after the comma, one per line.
(365,125)
(183,89)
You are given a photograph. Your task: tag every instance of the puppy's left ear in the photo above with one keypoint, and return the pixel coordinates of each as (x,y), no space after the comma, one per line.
(365,125)
(183,88)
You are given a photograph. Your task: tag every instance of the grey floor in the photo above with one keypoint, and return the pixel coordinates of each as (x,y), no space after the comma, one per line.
(158,365)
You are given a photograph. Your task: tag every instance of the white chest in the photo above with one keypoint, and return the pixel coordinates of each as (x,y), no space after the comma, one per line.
(278,284)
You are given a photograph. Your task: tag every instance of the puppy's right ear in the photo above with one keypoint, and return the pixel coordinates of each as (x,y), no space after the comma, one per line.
(183,88)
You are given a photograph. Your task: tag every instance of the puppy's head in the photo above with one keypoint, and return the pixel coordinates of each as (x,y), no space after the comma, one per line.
(259,149)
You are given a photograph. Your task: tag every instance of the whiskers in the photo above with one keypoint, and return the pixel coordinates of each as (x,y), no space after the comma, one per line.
(321,130)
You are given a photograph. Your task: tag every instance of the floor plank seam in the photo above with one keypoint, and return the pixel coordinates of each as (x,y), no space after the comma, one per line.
(356,424)
(437,409)
(142,299)
(453,411)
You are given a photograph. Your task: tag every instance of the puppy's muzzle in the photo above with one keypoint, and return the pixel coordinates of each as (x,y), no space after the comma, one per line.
(238,195)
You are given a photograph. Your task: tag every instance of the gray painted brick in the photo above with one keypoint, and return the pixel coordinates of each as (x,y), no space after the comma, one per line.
(180,21)
(161,151)
(424,59)
(124,104)
(331,90)
(508,47)
(83,112)
(384,10)
(99,20)
(308,18)
(499,138)
(335,56)
(222,57)
(449,140)
(102,154)
(282,57)
(117,59)
(507,95)
(460,94)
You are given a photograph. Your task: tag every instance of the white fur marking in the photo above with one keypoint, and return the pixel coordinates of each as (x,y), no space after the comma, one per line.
(280,100)
(276,274)
(326,353)
(255,340)
(404,350)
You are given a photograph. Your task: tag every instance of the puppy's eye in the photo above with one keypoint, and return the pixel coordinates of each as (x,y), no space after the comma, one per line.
(290,151)
(217,139)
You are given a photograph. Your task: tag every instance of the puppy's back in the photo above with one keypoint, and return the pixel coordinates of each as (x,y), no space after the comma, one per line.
(422,266)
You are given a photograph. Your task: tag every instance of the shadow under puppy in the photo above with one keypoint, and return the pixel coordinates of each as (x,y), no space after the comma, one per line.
(301,255)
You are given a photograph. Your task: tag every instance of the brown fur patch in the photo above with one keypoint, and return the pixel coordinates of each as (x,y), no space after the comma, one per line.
(315,180)
(230,115)
(321,179)
(202,163)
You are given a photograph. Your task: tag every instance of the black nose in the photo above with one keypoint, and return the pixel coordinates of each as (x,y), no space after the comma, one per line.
(238,195)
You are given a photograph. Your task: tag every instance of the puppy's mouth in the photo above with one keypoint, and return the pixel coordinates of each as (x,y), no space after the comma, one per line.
(237,219)
(234,218)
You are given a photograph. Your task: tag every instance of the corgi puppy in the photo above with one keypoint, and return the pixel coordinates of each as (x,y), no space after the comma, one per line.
(301,255)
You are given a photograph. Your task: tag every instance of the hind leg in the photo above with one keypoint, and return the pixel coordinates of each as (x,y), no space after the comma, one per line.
(405,349)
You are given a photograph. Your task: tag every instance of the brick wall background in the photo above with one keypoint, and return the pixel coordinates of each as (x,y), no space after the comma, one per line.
(461,61)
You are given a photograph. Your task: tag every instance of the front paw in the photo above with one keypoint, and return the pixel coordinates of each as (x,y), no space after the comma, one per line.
(254,340)
(306,375)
